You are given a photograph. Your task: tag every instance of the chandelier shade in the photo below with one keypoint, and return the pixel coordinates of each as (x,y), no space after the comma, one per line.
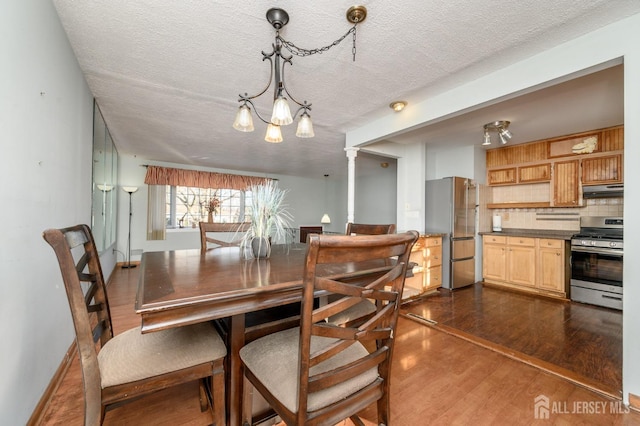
(243,121)
(281,110)
(305,127)
(274,134)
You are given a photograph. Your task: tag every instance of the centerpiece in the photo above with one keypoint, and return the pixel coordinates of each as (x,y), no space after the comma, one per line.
(269,219)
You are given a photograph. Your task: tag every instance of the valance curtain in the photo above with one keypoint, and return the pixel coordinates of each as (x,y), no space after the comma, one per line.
(159,177)
(180,177)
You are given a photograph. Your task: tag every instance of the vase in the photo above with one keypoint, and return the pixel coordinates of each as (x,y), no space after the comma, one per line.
(260,247)
(210,217)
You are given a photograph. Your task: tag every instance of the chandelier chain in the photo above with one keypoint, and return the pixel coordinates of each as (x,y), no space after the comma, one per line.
(299,51)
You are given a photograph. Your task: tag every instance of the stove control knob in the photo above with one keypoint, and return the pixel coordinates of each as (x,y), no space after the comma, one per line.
(584,242)
(593,243)
(613,244)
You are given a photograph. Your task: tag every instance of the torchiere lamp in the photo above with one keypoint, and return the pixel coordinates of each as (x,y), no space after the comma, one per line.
(130,190)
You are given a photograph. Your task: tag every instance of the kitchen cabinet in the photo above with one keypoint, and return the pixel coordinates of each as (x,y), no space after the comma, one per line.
(565,183)
(502,176)
(551,265)
(427,273)
(536,265)
(602,170)
(535,173)
(494,259)
(521,261)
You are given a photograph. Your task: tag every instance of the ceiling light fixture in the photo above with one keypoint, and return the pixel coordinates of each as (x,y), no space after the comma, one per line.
(397,106)
(281,112)
(497,126)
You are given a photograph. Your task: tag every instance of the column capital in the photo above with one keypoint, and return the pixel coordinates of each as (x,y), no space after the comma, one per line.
(352,152)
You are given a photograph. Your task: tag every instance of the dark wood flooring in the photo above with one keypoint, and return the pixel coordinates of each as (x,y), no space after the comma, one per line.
(579,341)
(437,379)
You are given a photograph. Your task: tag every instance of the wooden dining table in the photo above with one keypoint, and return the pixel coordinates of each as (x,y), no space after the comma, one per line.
(182,287)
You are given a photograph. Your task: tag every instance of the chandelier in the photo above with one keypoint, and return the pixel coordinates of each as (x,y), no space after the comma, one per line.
(281,112)
(497,126)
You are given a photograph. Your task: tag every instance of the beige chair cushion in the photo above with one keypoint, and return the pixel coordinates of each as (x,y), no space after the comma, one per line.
(132,356)
(359,310)
(274,361)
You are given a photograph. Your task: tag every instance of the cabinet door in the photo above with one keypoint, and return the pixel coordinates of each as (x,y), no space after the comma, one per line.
(601,170)
(502,176)
(521,265)
(551,265)
(494,262)
(537,173)
(565,183)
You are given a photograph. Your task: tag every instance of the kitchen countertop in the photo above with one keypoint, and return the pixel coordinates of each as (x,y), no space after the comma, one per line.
(433,234)
(534,233)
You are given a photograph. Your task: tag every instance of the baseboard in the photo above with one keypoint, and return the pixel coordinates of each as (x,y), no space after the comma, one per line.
(634,402)
(54,384)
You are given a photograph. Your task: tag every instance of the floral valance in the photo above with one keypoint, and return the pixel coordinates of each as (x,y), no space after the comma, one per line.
(180,177)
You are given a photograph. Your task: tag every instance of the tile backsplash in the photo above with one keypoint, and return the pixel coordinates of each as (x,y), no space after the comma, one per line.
(565,219)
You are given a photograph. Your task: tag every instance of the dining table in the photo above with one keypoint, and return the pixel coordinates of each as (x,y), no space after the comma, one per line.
(182,287)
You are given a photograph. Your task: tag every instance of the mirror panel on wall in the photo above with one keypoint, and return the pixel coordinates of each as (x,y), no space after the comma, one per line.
(105,172)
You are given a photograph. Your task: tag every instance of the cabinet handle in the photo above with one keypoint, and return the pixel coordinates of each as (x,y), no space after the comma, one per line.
(557,254)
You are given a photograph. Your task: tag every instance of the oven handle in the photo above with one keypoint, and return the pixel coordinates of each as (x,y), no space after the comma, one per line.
(598,250)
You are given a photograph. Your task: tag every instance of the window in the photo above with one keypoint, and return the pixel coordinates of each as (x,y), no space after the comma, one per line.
(186,206)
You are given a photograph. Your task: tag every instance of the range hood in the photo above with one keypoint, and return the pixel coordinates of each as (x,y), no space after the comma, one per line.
(603,191)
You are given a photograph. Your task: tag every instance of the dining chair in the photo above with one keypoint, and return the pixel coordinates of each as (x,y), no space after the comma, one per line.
(321,373)
(130,364)
(209,229)
(365,308)
(370,229)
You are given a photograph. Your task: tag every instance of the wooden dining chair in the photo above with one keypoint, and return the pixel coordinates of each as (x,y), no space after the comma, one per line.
(130,364)
(208,231)
(321,373)
(365,308)
(370,229)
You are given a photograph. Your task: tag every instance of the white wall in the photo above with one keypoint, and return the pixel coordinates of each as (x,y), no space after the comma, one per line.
(601,46)
(45,170)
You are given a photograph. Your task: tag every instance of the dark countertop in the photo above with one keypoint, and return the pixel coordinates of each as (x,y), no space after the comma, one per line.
(534,233)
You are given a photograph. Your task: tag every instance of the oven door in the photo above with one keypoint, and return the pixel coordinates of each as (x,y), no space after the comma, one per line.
(597,265)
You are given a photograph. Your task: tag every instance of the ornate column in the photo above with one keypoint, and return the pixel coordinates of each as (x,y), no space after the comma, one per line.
(352,153)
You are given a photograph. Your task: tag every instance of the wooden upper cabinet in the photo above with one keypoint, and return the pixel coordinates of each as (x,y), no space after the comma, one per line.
(502,176)
(565,183)
(538,173)
(602,170)
(612,139)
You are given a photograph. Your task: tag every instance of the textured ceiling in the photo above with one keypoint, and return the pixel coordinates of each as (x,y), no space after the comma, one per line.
(167,74)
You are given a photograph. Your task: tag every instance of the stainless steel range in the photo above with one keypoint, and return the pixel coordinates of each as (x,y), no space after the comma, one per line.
(596,262)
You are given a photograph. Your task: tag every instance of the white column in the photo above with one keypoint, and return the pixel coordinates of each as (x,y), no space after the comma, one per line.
(352,153)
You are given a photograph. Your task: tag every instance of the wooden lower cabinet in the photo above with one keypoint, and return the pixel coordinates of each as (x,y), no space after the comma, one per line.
(553,274)
(427,274)
(532,264)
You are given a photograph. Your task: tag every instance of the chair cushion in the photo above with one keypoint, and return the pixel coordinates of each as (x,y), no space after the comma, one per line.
(359,310)
(274,360)
(132,356)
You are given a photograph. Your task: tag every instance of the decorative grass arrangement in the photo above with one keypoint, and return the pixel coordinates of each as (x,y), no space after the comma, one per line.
(269,215)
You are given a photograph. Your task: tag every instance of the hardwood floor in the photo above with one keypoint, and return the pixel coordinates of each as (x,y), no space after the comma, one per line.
(581,342)
(438,379)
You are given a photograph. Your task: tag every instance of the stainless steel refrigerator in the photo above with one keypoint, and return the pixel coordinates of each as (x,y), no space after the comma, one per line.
(451,209)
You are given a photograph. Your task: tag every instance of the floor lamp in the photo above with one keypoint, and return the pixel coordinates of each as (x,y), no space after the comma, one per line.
(130,190)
